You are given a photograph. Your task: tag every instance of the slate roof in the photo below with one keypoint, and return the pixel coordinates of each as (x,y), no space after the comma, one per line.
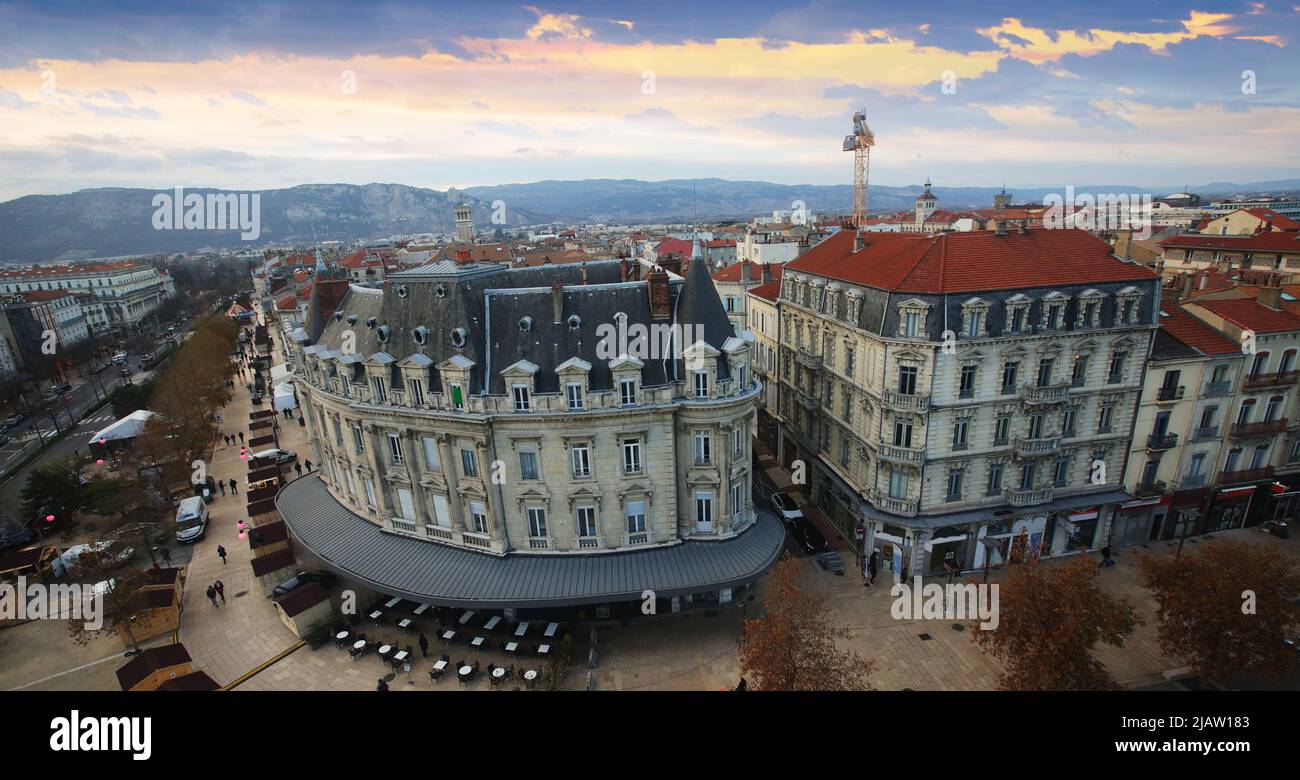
(427,572)
(490,302)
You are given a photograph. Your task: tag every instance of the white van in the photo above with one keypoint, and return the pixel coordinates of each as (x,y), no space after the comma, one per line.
(119,358)
(191,520)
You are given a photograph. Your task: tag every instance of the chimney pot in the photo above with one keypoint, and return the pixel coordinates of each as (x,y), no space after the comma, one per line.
(557,301)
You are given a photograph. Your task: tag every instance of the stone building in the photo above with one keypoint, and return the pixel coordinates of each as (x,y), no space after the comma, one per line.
(532,439)
(950,394)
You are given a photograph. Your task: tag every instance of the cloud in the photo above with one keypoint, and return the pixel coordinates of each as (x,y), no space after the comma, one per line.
(248,97)
(1037,44)
(15,101)
(557,26)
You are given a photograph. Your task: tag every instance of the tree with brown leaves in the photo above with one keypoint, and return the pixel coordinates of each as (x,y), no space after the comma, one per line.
(793,646)
(1051,618)
(1227,608)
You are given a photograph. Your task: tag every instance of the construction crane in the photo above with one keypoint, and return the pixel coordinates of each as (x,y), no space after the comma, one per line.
(860,144)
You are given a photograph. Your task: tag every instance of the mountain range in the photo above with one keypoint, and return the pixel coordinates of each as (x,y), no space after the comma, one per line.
(112,222)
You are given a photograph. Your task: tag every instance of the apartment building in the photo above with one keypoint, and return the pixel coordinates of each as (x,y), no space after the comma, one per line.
(116,296)
(734,283)
(957,394)
(762,322)
(485,441)
(1248,222)
(1179,440)
(1267,251)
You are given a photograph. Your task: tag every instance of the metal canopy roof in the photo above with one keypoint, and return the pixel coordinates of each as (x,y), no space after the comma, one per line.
(428,572)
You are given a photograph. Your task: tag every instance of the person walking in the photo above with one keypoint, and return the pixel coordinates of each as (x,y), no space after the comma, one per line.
(222,485)
(298,468)
(241,437)
(234,486)
(872,563)
(301,422)
(226,439)
(308,464)
(221,551)
(212,596)
(221,590)
(382,686)
(424,645)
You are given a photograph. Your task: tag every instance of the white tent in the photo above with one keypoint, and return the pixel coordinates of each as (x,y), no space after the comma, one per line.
(128,427)
(284,396)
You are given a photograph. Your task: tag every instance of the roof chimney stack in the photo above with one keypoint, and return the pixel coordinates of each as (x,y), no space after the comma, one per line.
(657,287)
(1270,296)
(858,240)
(557,301)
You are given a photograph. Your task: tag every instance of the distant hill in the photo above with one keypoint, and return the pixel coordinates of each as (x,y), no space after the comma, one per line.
(111,222)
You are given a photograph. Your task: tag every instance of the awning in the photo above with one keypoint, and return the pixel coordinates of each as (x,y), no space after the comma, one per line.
(429,572)
(980,515)
(128,427)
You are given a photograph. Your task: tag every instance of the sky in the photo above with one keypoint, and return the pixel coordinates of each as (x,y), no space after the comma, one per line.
(247,95)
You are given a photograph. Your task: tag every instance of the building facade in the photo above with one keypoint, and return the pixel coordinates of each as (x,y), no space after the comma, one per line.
(117,296)
(478,416)
(952,394)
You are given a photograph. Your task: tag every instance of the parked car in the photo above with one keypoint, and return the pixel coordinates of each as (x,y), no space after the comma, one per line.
(785,507)
(325,578)
(119,359)
(14,419)
(146,357)
(3,439)
(279,456)
(807,535)
(61,389)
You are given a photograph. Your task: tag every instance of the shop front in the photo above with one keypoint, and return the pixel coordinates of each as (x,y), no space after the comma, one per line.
(1139,521)
(1229,508)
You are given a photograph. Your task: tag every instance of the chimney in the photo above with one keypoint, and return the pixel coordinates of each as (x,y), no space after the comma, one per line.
(622,271)
(767,272)
(1205,279)
(1187,286)
(557,301)
(1270,296)
(657,287)
(1024,228)
(858,241)
(744,272)
(584,273)
(1123,243)
(1001,229)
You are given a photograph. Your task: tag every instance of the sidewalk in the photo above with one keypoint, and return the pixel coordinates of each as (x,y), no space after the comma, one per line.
(243,633)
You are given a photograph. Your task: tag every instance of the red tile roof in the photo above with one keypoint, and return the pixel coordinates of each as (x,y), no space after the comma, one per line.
(732,272)
(968,262)
(354,260)
(1251,314)
(1279,221)
(673,246)
(769,291)
(45,295)
(1274,241)
(1176,322)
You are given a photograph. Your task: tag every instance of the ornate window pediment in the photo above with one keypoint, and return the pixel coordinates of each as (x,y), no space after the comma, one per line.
(912,316)
(975,318)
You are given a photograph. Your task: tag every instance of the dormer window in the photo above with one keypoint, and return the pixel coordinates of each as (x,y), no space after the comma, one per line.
(380,389)
(520,393)
(1018,313)
(627,391)
(974,313)
(1089,310)
(1126,306)
(1054,311)
(573,392)
(701,384)
(417,391)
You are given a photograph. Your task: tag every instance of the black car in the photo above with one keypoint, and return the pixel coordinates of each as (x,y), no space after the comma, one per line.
(807,535)
(325,578)
(61,389)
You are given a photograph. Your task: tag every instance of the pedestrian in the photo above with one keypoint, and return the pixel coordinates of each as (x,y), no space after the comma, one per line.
(308,464)
(872,563)
(234,486)
(222,552)
(301,423)
(222,485)
(241,437)
(742,686)
(212,596)
(226,439)
(221,590)
(1105,557)
(298,468)
(424,645)
(382,686)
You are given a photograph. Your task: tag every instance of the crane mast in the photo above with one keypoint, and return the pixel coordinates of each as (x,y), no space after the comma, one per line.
(860,143)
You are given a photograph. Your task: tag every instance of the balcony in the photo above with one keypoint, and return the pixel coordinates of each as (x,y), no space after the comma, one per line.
(897,506)
(1165,441)
(1045,394)
(808,360)
(1246,475)
(1206,433)
(1274,379)
(1170,394)
(1037,448)
(901,402)
(1149,489)
(1030,497)
(1217,389)
(904,455)
(1192,481)
(810,402)
(1263,428)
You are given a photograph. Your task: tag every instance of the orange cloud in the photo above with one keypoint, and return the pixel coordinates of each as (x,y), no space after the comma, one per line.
(1036,44)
